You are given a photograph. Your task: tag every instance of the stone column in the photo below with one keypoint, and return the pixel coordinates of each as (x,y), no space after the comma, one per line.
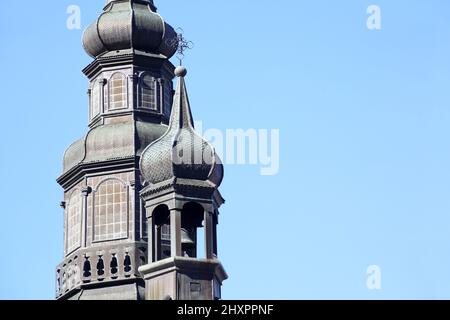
(63,205)
(132,200)
(208,235)
(86,191)
(160,94)
(214,226)
(104,92)
(151,239)
(175,232)
(132,95)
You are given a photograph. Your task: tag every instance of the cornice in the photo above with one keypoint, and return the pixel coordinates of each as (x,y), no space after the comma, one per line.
(127,57)
(184,187)
(79,171)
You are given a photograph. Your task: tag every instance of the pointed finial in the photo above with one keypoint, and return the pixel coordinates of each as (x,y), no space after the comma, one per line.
(180,71)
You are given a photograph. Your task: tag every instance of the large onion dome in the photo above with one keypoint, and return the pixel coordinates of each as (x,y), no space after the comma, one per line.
(112,142)
(181,153)
(130,24)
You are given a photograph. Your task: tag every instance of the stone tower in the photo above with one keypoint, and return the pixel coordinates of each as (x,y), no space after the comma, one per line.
(119,242)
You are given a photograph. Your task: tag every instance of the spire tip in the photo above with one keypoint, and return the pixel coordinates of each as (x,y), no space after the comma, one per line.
(181,71)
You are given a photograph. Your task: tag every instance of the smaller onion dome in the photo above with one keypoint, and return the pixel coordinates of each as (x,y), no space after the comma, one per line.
(130,24)
(181,152)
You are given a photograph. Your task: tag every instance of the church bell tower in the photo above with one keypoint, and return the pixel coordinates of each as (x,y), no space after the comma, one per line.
(141,187)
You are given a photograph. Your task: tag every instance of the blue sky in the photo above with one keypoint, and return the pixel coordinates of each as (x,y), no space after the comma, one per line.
(364,152)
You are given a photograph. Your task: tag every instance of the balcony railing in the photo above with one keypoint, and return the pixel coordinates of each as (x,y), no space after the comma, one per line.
(94,265)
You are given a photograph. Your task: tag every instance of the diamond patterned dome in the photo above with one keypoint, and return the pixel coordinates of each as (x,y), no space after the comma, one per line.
(181,152)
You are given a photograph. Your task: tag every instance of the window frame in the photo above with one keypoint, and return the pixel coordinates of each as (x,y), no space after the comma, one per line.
(70,249)
(124,93)
(95,88)
(142,87)
(125,214)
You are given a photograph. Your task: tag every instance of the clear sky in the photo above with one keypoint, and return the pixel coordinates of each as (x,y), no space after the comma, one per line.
(364,120)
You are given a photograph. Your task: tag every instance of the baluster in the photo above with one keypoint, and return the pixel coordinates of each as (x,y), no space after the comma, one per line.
(127,267)
(100,268)
(64,279)
(86,269)
(58,282)
(114,266)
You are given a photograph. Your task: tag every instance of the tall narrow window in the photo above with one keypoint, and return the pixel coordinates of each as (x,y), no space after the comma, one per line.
(95,100)
(148,92)
(117,92)
(111,211)
(74,212)
(168,96)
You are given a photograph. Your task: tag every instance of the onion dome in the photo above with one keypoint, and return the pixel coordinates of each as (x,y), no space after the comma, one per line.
(112,142)
(181,153)
(130,24)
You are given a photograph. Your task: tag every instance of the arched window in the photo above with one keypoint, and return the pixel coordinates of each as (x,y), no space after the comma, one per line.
(117,92)
(95,99)
(162,239)
(74,208)
(111,211)
(168,96)
(192,217)
(148,92)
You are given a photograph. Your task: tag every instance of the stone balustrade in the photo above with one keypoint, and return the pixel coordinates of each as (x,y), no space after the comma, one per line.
(88,266)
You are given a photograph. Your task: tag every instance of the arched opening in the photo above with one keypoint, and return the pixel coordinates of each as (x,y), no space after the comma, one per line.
(161,218)
(192,217)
